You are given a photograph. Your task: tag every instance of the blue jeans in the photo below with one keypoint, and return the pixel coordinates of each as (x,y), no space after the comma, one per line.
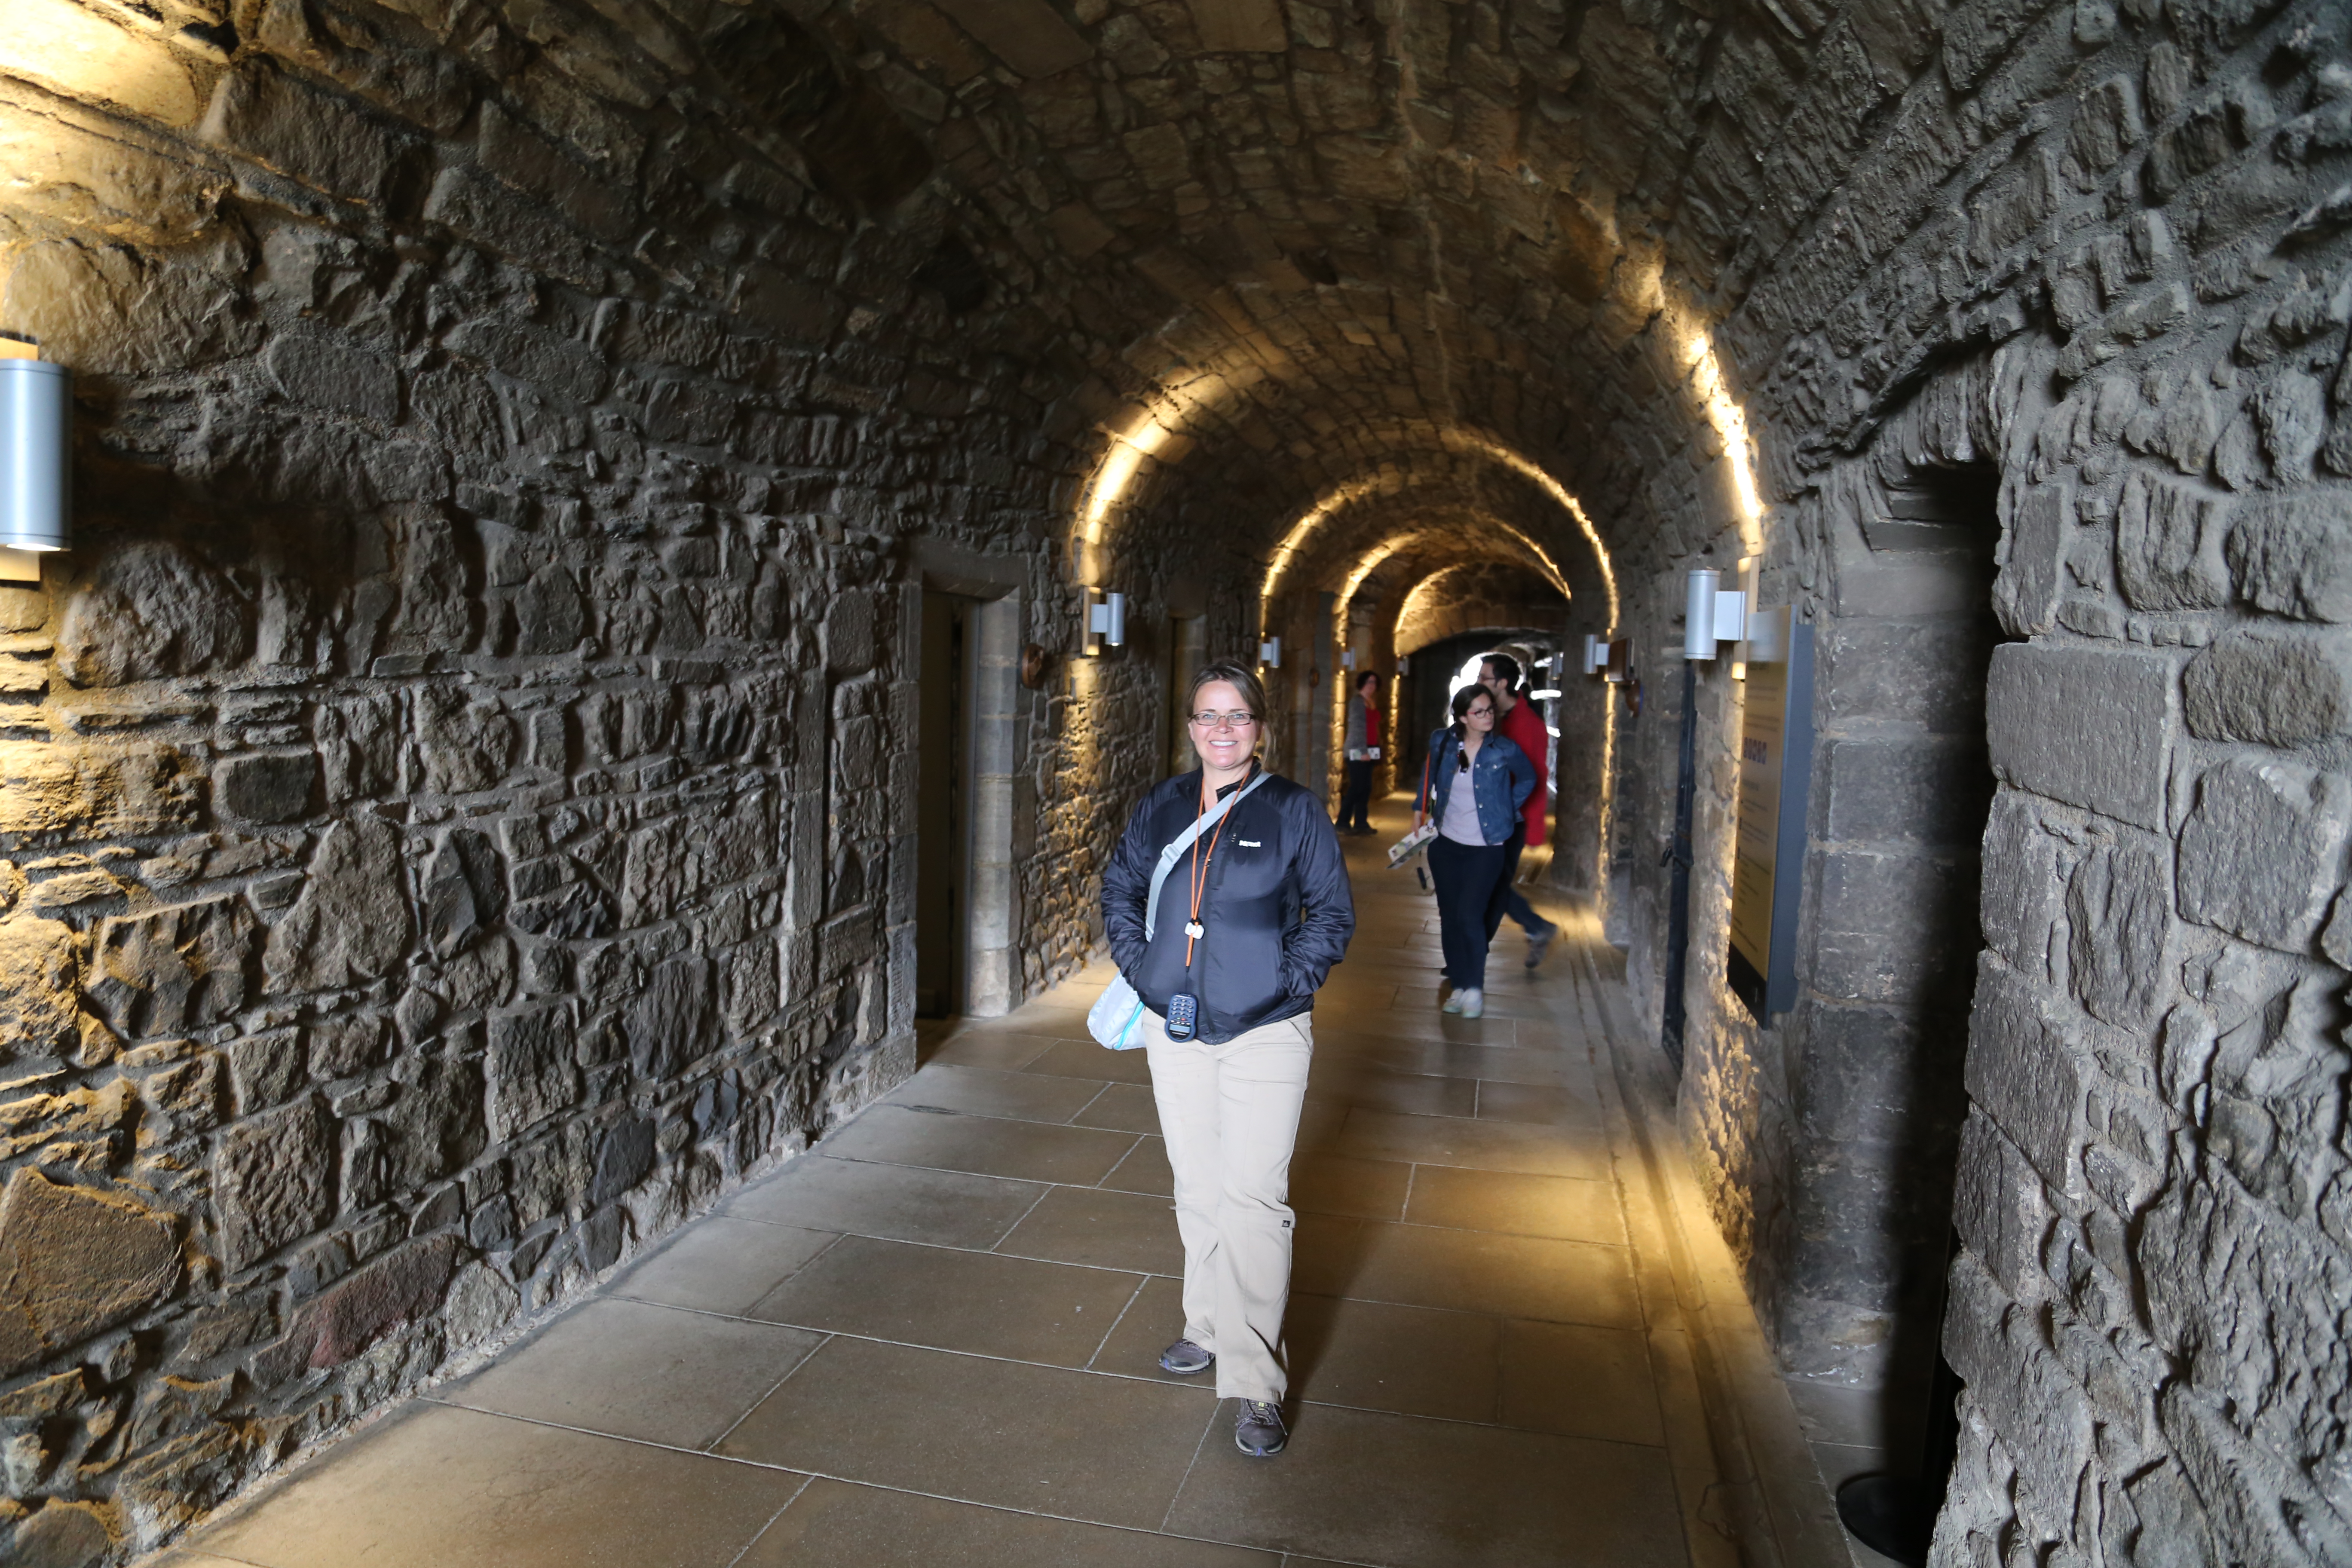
(1468,876)
(1508,899)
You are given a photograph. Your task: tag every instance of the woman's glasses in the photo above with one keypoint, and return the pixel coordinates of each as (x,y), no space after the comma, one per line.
(1478,710)
(1223,720)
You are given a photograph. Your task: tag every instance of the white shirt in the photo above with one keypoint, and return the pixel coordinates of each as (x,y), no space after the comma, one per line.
(1460,822)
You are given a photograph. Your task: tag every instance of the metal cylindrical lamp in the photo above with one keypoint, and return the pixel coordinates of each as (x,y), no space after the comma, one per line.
(1698,613)
(35,454)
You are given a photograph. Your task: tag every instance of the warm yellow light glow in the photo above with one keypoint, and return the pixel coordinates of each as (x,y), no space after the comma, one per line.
(1364,568)
(86,56)
(1731,422)
(1122,460)
(1467,442)
(1418,593)
(1327,505)
(1486,446)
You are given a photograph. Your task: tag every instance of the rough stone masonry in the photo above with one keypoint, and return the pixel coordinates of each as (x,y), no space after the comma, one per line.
(456,797)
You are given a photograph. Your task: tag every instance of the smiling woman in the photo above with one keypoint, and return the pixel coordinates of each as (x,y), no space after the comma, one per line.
(1227,969)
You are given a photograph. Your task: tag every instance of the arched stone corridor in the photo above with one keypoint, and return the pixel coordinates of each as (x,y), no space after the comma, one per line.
(462,809)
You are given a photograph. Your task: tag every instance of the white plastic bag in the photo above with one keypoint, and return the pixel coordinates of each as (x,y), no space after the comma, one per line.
(1113,1018)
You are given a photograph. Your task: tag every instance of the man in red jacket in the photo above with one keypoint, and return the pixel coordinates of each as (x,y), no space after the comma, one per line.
(1522,722)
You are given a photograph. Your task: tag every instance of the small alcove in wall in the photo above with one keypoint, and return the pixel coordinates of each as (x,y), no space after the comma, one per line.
(970,727)
(1902,786)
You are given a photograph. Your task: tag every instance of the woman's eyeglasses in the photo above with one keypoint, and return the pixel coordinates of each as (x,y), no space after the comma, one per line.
(1463,762)
(1223,720)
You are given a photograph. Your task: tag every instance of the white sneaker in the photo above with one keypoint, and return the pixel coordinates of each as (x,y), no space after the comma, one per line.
(1473,1004)
(1453,1003)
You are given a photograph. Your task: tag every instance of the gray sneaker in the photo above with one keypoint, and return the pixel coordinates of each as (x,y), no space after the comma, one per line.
(1538,942)
(1186,1359)
(1258,1430)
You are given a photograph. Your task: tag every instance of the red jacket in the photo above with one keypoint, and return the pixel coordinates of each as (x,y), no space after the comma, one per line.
(1524,727)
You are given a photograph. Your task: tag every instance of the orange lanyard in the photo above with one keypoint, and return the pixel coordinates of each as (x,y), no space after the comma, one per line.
(1194,930)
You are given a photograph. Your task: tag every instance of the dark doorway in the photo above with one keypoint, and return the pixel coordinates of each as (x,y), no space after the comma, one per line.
(1910,694)
(944,805)
(1188,650)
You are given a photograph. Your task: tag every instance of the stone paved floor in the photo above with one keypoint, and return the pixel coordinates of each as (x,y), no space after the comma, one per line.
(932,1340)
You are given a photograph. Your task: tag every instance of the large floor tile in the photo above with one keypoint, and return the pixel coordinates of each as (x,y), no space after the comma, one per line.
(1004,1049)
(1482,1145)
(1565,1207)
(1410,1360)
(436,1487)
(1145,1170)
(722,1264)
(1061,1013)
(903,1203)
(1111,1451)
(1413,1024)
(1488,1064)
(984,1145)
(1468,1271)
(1320,1123)
(1101,1228)
(1333,1184)
(1379,1089)
(832,1524)
(1125,1107)
(1154,1320)
(1540,1104)
(993,1091)
(1085,1059)
(1367,1486)
(978,1301)
(1582,1380)
(661,1374)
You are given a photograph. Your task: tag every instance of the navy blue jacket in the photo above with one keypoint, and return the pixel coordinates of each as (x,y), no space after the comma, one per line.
(1276,907)
(1502,776)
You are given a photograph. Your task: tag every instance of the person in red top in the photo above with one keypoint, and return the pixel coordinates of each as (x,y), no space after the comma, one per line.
(1361,744)
(1522,722)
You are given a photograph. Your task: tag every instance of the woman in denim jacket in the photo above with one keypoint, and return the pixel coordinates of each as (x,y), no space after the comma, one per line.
(1477,783)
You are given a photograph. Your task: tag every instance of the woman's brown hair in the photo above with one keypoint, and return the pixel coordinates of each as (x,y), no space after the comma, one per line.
(1240,676)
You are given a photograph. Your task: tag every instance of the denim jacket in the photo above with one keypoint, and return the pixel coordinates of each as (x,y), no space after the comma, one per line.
(1501,774)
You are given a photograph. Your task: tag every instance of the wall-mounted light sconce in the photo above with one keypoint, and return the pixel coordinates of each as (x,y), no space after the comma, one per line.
(1269,653)
(1106,621)
(1607,659)
(1712,615)
(35,460)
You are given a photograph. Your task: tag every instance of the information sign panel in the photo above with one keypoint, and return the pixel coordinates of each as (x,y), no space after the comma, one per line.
(1776,764)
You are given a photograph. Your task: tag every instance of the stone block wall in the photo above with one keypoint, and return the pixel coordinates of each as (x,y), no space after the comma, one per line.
(2098,252)
(456,797)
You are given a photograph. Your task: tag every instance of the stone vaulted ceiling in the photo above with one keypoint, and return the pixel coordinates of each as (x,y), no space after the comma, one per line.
(1304,251)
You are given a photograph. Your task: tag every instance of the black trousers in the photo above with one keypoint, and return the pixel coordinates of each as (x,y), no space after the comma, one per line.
(1508,899)
(1468,908)
(1356,798)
